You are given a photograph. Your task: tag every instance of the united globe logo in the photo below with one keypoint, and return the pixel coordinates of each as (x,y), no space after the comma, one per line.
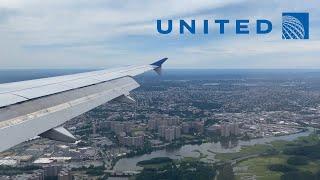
(292,28)
(295,25)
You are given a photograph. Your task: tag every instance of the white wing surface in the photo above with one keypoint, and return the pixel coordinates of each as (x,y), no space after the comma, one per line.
(39,107)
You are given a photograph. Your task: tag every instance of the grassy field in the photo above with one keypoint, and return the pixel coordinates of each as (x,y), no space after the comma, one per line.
(313,166)
(258,166)
(278,145)
(245,151)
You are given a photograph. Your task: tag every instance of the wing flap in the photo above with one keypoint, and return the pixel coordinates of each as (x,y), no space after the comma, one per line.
(7,99)
(59,134)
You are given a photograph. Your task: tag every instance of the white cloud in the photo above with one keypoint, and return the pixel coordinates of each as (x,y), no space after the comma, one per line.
(80,33)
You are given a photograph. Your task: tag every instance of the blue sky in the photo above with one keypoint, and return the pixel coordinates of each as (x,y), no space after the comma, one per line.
(109,33)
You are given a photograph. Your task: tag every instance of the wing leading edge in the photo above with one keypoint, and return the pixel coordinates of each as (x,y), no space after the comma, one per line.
(39,107)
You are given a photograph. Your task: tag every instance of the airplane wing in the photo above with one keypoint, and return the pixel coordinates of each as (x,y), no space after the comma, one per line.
(38,107)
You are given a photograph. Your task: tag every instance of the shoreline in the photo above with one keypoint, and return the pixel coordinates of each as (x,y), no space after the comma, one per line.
(182,151)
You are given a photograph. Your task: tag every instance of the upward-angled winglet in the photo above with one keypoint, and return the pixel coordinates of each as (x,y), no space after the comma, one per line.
(159,63)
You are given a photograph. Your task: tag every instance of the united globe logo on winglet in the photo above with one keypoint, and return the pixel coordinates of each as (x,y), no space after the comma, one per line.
(295,25)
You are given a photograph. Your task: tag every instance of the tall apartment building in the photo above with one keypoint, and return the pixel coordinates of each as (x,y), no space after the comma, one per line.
(170,134)
(135,141)
(162,130)
(228,129)
(152,124)
(225,130)
(186,128)
(177,132)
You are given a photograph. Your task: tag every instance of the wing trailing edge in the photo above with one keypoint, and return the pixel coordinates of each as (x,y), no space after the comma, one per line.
(59,134)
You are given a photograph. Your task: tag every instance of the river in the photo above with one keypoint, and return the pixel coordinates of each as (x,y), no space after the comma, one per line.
(207,149)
